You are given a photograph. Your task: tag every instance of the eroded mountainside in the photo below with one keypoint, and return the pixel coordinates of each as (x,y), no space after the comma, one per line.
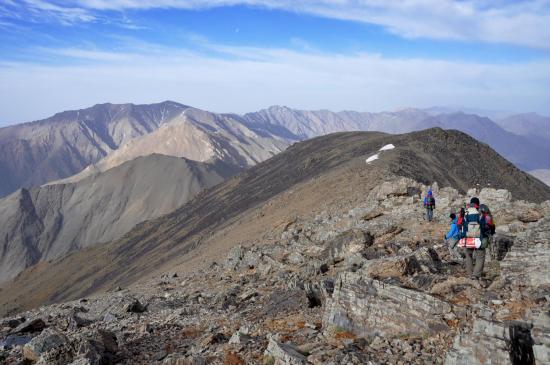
(49,222)
(306,178)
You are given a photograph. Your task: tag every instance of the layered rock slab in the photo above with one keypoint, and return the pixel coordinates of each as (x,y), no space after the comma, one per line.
(366,306)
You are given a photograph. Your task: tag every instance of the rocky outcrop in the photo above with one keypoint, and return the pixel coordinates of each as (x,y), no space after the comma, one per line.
(492,343)
(366,307)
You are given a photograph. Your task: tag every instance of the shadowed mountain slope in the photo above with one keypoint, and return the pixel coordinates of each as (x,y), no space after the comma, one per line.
(51,221)
(305,178)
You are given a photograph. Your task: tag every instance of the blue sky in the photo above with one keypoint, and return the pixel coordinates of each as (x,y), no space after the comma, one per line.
(239,56)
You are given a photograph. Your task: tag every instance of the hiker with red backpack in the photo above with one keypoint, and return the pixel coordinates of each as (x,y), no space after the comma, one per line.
(429,205)
(475,237)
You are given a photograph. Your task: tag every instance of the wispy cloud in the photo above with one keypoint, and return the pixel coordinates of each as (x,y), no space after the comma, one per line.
(257,77)
(523,23)
(65,14)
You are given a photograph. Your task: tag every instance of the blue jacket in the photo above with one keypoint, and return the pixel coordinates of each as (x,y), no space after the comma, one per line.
(453,232)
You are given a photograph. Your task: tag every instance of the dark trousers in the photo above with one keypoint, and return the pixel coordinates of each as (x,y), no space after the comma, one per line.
(429,214)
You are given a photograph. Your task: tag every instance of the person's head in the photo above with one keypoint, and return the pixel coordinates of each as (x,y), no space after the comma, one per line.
(452,216)
(474,201)
(430,193)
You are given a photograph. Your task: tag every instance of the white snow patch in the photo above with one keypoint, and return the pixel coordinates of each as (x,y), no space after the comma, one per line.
(387,147)
(372,158)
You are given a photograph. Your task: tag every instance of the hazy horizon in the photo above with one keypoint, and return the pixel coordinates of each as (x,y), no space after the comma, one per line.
(450,109)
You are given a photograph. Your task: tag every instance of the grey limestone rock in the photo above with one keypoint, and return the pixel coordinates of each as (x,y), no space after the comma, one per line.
(366,306)
(283,354)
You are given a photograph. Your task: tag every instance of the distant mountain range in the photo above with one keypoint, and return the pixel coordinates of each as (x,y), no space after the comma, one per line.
(529,149)
(32,154)
(106,135)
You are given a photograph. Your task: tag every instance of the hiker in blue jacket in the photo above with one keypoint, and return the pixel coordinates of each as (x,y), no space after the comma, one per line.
(429,204)
(452,237)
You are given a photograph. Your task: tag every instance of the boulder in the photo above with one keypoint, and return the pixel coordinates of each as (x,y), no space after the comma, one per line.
(491,195)
(422,260)
(51,346)
(529,215)
(491,342)
(283,354)
(33,325)
(398,187)
(135,306)
(527,261)
(99,348)
(392,267)
(365,306)
(347,244)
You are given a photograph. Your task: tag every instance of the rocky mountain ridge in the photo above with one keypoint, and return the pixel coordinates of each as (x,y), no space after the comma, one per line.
(328,170)
(370,284)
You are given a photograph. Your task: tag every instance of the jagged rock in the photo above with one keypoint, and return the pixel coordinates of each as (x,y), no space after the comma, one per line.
(422,260)
(76,321)
(529,215)
(366,306)
(283,354)
(135,306)
(214,338)
(295,258)
(372,214)
(540,334)
(448,286)
(12,322)
(398,187)
(347,244)
(50,346)
(392,267)
(493,343)
(527,261)
(14,340)
(239,338)
(34,325)
(494,195)
(99,348)
(184,360)
(500,245)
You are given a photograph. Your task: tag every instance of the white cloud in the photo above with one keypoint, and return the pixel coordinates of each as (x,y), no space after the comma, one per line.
(258,77)
(44,10)
(523,23)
